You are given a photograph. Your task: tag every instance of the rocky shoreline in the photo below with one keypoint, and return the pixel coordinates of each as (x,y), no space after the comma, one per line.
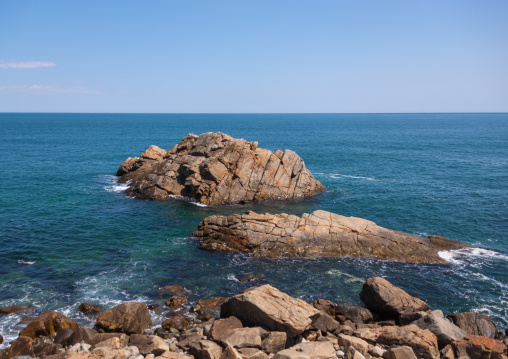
(264,323)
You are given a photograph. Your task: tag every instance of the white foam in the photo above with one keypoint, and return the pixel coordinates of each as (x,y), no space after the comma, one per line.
(119,187)
(456,256)
(21,261)
(341,175)
(187,199)
(232,277)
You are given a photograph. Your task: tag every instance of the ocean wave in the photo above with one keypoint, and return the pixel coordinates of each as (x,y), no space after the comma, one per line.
(340,175)
(112,184)
(458,256)
(22,261)
(187,199)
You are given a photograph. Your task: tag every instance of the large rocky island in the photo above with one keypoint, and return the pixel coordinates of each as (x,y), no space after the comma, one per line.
(215,168)
(319,234)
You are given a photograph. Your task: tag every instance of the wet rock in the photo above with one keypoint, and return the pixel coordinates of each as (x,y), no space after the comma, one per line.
(87,308)
(215,168)
(316,350)
(445,331)
(250,277)
(474,323)
(17,309)
(325,323)
(210,303)
(82,334)
(46,324)
(382,297)
(129,318)
(355,313)
(174,289)
(222,327)
(274,342)
(324,305)
(268,307)
(21,346)
(177,322)
(242,338)
(475,346)
(319,234)
(176,302)
(403,352)
(205,349)
(1,339)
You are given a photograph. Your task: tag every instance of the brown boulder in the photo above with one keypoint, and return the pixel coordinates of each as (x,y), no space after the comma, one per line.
(205,349)
(129,318)
(274,342)
(267,306)
(16,309)
(82,334)
(319,234)
(354,313)
(215,168)
(423,342)
(475,346)
(46,324)
(387,300)
(222,327)
(176,322)
(87,308)
(175,289)
(176,302)
(22,346)
(324,305)
(399,353)
(44,350)
(242,338)
(474,323)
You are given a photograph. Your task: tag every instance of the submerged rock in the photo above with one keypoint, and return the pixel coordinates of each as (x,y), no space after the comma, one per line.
(215,168)
(319,234)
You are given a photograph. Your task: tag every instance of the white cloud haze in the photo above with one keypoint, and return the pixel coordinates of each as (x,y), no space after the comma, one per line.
(26,64)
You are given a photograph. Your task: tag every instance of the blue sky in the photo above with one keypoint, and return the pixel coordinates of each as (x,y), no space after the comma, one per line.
(254,56)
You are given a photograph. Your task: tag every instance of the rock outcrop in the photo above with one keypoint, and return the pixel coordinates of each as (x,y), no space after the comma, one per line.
(215,168)
(129,318)
(46,324)
(319,234)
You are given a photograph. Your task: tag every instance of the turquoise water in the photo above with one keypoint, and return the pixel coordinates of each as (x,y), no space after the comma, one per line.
(62,210)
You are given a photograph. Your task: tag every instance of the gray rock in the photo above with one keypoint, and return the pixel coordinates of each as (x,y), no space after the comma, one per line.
(82,334)
(474,323)
(347,341)
(242,338)
(316,350)
(274,342)
(445,331)
(325,323)
(205,349)
(384,298)
(355,313)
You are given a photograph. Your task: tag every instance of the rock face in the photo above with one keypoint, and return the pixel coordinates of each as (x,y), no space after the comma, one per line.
(215,168)
(445,331)
(129,318)
(389,301)
(319,234)
(267,306)
(475,323)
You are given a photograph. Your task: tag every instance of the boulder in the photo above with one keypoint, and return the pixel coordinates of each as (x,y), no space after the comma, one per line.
(215,168)
(44,350)
(148,344)
(474,323)
(242,338)
(325,323)
(87,308)
(177,322)
(253,353)
(47,323)
(267,306)
(324,305)
(316,350)
(17,309)
(475,346)
(82,334)
(210,303)
(21,346)
(205,349)
(403,352)
(319,234)
(346,342)
(121,338)
(222,327)
(174,289)
(354,313)
(129,318)
(250,277)
(63,336)
(274,342)
(423,342)
(445,331)
(176,302)
(230,353)
(387,300)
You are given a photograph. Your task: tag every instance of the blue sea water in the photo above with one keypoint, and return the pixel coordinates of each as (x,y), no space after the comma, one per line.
(69,234)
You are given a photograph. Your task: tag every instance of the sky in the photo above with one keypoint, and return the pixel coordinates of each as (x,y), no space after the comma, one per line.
(262,56)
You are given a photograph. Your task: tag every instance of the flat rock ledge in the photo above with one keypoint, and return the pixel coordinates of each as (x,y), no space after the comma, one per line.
(319,234)
(214,168)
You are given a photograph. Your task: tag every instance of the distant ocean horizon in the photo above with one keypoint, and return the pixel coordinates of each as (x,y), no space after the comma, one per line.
(69,234)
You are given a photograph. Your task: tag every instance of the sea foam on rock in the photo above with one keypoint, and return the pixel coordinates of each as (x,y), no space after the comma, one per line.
(215,168)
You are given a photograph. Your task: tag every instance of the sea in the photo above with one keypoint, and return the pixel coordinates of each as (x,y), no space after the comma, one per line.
(69,234)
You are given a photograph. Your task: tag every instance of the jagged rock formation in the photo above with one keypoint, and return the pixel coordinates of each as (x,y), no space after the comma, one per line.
(215,168)
(319,234)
